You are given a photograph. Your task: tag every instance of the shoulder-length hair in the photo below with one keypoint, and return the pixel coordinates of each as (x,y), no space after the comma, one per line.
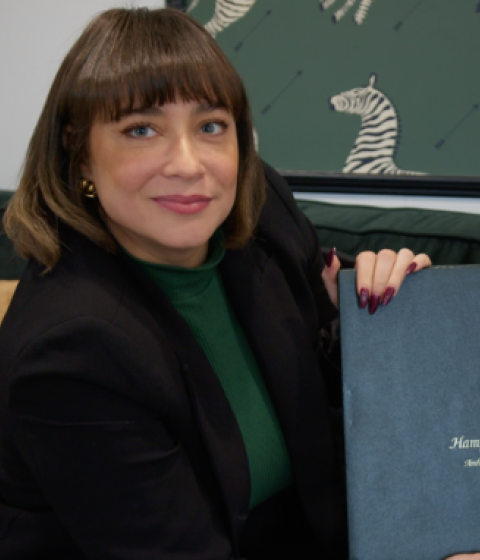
(124,57)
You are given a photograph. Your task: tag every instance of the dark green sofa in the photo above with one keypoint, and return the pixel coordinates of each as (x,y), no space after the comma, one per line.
(11,265)
(448,237)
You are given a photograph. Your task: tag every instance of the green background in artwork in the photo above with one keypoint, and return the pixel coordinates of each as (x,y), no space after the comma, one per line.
(428,68)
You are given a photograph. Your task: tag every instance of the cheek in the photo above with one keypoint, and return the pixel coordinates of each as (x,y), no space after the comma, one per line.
(230,180)
(229,170)
(230,193)
(122,174)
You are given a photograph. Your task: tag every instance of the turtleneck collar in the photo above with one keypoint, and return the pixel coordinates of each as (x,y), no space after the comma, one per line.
(180,283)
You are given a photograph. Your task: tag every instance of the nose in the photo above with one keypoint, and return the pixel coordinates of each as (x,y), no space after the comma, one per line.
(183,158)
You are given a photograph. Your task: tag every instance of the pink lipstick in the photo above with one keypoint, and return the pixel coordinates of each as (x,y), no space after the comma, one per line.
(183,204)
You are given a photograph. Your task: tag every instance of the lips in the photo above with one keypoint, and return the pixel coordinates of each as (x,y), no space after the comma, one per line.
(180,204)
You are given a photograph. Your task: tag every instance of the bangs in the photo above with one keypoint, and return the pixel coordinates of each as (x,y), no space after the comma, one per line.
(147,58)
(167,84)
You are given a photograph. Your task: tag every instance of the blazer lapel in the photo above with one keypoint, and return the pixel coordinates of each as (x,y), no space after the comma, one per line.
(282,344)
(221,436)
(215,419)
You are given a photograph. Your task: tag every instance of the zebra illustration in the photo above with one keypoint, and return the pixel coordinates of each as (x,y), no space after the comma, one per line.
(226,12)
(376,143)
(359,16)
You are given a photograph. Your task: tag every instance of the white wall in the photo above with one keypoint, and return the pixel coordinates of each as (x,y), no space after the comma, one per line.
(35,35)
(452,204)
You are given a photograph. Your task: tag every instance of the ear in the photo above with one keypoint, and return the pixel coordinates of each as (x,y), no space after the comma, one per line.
(373,78)
(85,170)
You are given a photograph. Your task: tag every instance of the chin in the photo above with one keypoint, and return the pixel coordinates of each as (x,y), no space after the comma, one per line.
(193,240)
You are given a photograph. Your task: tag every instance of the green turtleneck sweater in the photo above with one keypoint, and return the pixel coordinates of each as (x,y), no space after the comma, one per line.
(198,295)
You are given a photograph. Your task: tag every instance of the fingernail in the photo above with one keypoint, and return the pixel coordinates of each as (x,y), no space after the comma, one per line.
(364,295)
(329,259)
(388,295)
(411,267)
(374,303)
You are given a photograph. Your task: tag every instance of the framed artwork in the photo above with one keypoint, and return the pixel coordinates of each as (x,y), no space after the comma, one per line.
(359,95)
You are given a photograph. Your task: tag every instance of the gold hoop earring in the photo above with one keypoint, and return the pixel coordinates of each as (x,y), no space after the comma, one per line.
(88,188)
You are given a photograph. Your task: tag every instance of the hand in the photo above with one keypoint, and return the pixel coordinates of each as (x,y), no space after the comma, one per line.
(329,275)
(379,276)
(464,557)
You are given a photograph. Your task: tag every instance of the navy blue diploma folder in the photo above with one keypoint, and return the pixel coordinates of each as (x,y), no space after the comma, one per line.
(411,385)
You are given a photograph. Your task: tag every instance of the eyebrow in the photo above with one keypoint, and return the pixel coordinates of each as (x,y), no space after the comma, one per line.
(201,108)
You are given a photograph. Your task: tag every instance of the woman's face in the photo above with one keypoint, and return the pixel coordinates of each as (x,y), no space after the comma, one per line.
(166,178)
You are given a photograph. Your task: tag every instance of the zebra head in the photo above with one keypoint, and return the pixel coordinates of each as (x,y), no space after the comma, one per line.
(358,101)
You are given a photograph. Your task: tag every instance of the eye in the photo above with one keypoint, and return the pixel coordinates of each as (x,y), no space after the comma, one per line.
(213,127)
(140,131)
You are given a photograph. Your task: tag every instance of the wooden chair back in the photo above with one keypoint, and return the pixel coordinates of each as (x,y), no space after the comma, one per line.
(7,288)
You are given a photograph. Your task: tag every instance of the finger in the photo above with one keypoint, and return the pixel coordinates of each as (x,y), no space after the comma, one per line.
(464,557)
(389,281)
(329,276)
(386,259)
(365,266)
(420,261)
(383,267)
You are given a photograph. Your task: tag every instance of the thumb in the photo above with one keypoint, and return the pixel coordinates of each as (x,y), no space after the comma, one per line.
(329,276)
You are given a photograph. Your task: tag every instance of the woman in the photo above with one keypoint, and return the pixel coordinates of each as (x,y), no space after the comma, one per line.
(161,389)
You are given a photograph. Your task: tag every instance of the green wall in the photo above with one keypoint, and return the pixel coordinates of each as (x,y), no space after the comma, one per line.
(294,58)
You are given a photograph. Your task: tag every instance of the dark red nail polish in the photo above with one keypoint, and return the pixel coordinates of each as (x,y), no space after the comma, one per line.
(364,295)
(374,303)
(388,295)
(412,267)
(329,259)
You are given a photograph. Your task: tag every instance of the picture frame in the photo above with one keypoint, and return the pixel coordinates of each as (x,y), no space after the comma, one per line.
(303,62)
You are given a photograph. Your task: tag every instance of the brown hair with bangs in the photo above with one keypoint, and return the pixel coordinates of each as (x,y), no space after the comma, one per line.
(125,58)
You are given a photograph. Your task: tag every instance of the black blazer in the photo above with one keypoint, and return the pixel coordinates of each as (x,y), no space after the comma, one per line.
(117,441)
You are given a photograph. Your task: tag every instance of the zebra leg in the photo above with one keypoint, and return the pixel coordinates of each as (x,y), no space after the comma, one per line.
(362,11)
(325,4)
(338,15)
(226,13)
(193,5)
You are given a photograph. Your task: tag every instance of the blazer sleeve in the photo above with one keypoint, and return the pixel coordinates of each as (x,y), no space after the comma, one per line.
(105,462)
(279,194)
(280,191)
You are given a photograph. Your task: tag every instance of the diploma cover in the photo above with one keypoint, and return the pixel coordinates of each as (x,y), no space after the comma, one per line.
(411,388)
